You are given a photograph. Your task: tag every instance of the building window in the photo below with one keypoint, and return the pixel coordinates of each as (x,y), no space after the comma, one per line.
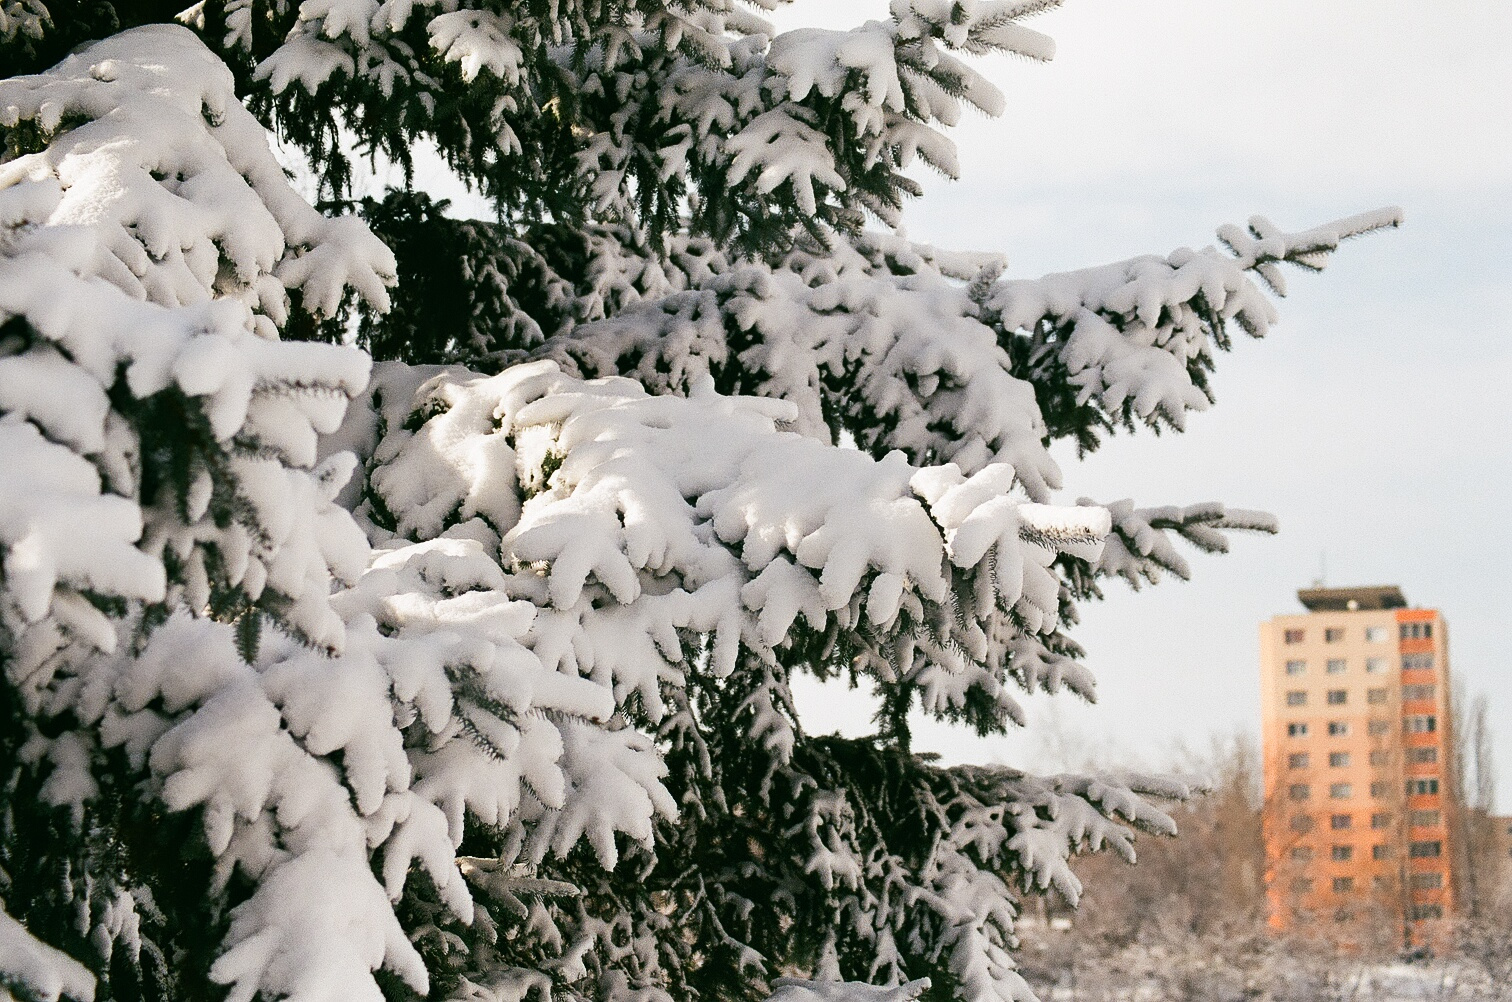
(1341,791)
(1377,696)
(1375,634)
(1341,853)
(1336,666)
(1422,754)
(1338,759)
(1425,850)
(1380,819)
(1301,853)
(1333,635)
(1296,730)
(1380,758)
(1423,819)
(1338,697)
(1296,667)
(1296,698)
(1375,666)
(1378,790)
(1293,636)
(1380,882)
(1302,823)
(1422,787)
(1379,727)
(1419,724)
(1338,728)
(1421,912)
(1343,885)
(1410,661)
(1302,885)
(1427,881)
(1299,791)
(1341,822)
(1297,760)
(1425,691)
(1417,631)
(1380,851)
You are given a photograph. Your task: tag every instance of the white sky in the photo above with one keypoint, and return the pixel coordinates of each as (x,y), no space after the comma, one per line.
(1374,421)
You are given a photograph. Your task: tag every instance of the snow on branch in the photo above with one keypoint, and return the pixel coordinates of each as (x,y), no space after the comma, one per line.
(1135,340)
(1265,244)
(946,372)
(150,247)
(33,970)
(895,81)
(919,370)
(1034,825)
(739,113)
(947,882)
(803,990)
(653,518)
(1141,546)
(139,165)
(311,773)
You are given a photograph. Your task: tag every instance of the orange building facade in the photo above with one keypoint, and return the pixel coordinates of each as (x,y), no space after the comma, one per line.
(1357,741)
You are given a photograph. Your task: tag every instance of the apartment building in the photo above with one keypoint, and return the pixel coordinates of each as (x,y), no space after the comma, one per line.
(1356,736)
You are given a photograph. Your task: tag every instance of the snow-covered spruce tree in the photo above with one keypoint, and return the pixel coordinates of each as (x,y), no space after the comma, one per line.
(466,673)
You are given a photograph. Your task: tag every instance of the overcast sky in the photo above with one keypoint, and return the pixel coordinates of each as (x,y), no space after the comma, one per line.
(1374,421)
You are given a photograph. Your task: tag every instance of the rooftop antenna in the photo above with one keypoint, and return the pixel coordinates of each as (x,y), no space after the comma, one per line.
(1321,581)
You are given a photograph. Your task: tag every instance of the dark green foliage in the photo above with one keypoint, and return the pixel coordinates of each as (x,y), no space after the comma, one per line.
(61,878)
(248,635)
(1066,415)
(72,23)
(466,290)
(525,144)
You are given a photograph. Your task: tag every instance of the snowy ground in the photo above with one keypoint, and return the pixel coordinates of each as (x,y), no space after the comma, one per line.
(1446,981)
(1394,982)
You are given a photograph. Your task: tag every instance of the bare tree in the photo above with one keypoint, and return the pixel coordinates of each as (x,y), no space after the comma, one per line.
(1190,922)
(1478,856)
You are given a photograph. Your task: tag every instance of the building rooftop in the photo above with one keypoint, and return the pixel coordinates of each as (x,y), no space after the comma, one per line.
(1352,599)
